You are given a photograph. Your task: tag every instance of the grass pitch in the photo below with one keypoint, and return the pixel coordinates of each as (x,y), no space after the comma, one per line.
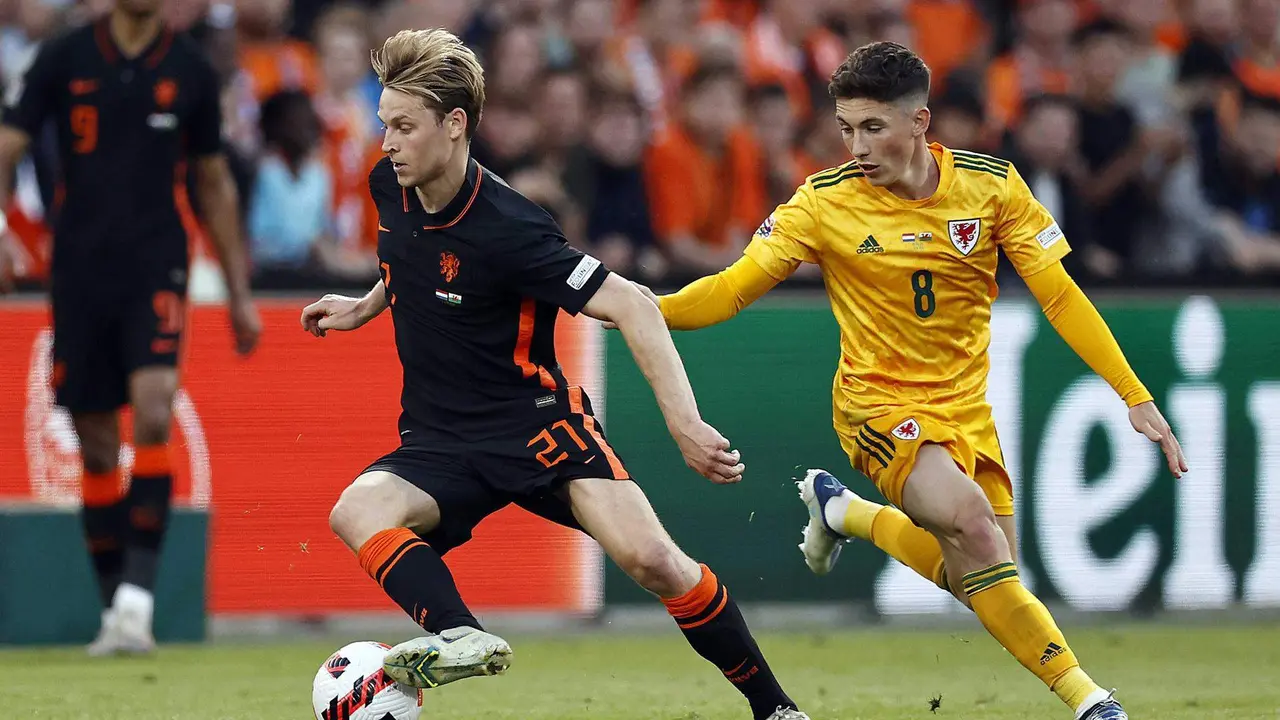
(1162,671)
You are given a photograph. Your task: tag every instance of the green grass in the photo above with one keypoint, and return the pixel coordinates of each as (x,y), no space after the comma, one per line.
(1162,672)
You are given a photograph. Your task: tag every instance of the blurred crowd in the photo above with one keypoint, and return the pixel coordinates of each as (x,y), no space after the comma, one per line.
(659,133)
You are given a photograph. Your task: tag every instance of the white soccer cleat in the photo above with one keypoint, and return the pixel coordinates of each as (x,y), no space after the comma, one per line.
(108,636)
(133,633)
(822,545)
(456,653)
(787,714)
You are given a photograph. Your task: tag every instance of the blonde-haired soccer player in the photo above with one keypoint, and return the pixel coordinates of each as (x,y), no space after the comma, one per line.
(474,275)
(907,237)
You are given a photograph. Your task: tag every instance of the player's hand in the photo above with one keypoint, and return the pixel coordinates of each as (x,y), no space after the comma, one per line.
(1146,419)
(643,291)
(245,325)
(332,312)
(8,262)
(707,451)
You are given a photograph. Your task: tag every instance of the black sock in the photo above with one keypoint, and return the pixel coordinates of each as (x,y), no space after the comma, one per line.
(105,529)
(713,625)
(412,573)
(150,496)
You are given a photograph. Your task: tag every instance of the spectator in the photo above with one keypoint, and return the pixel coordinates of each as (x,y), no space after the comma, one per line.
(657,53)
(273,60)
(611,183)
(350,146)
(1243,183)
(1111,147)
(957,119)
(703,177)
(516,63)
(507,137)
(1046,153)
(950,35)
(786,164)
(1146,85)
(1041,60)
(289,217)
(787,45)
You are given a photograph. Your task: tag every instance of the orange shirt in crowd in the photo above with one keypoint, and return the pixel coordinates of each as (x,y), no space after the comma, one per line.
(656,80)
(691,191)
(350,150)
(947,31)
(283,65)
(770,60)
(1010,83)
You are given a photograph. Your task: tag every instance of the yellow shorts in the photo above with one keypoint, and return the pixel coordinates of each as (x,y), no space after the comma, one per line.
(884,447)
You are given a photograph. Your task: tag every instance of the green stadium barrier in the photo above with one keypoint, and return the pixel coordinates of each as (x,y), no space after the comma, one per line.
(48,594)
(1103,525)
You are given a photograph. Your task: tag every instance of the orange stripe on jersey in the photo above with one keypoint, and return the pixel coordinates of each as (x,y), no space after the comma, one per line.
(474,192)
(524,339)
(589,422)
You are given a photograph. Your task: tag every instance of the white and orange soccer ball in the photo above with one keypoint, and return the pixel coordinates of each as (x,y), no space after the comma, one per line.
(351,685)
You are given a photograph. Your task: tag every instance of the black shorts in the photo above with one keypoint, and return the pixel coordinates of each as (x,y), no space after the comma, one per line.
(101,335)
(470,481)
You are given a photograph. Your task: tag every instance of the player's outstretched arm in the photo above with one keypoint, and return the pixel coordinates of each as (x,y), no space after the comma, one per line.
(641,324)
(715,298)
(13,145)
(338,312)
(217,193)
(1084,330)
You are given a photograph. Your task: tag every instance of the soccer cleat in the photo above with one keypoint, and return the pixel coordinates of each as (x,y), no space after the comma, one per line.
(133,632)
(785,713)
(108,636)
(1108,709)
(822,545)
(456,653)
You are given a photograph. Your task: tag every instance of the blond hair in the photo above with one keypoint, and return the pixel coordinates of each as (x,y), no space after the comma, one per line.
(435,66)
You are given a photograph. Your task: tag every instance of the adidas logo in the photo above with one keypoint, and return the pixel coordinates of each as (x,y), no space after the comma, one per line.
(1051,652)
(870,246)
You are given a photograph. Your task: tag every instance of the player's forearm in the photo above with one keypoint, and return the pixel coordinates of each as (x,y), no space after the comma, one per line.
(1084,330)
(716,298)
(13,145)
(655,354)
(373,303)
(217,192)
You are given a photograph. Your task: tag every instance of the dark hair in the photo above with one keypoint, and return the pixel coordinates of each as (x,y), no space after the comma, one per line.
(1250,100)
(1100,28)
(1047,100)
(881,71)
(279,117)
(708,73)
(766,92)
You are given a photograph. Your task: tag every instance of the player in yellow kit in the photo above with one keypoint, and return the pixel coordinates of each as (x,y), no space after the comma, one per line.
(907,237)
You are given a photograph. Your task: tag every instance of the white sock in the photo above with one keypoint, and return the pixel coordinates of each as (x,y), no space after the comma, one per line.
(835,510)
(1094,698)
(134,600)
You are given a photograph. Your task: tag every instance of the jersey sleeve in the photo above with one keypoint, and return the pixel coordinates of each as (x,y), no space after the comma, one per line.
(1027,233)
(544,266)
(204,136)
(789,236)
(34,97)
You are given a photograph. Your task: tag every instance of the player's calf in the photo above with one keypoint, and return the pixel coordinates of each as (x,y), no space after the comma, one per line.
(618,515)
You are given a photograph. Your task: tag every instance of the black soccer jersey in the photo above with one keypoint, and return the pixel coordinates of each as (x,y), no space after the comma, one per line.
(475,291)
(125,127)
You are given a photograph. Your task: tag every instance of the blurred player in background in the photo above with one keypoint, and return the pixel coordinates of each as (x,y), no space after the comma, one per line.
(475,275)
(907,237)
(132,102)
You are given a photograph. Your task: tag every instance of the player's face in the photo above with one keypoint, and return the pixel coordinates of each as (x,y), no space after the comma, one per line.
(881,136)
(420,141)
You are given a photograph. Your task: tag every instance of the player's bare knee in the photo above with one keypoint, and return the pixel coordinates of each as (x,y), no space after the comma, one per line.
(99,442)
(151,420)
(658,566)
(975,532)
(376,502)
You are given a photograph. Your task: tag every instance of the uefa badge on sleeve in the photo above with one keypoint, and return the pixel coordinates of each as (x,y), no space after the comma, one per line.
(766,228)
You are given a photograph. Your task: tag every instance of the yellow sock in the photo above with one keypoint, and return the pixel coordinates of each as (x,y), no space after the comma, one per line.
(1023,625)
(893,532)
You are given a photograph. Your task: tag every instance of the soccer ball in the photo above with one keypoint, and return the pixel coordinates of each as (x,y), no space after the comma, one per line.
(351,685)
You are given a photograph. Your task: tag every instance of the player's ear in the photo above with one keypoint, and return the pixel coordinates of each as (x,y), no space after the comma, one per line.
(920,123)
(457,123)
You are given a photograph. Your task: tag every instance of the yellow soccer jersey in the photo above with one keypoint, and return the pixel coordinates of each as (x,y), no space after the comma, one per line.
(911,282)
